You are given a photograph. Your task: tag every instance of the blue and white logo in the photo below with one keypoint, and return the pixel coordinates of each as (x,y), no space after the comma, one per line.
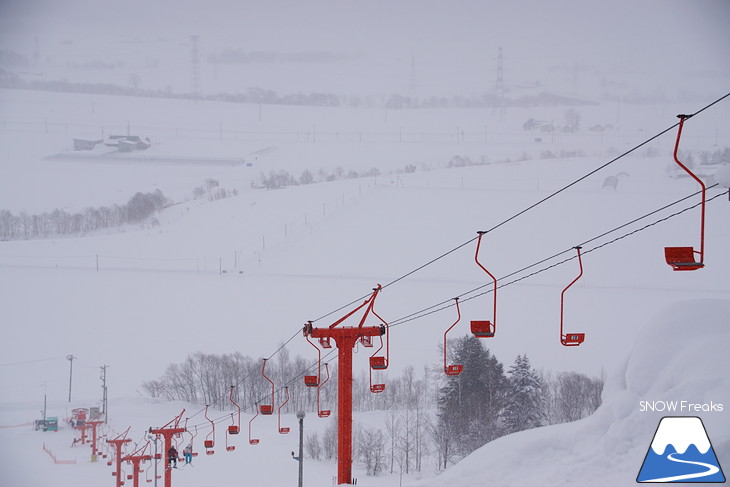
(681,452)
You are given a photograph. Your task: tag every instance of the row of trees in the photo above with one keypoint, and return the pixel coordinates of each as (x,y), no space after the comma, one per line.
(282,179)
(257,95)
(427,414)
(58,222)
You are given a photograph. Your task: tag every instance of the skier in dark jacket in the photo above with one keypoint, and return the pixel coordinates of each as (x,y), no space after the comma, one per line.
(172,457)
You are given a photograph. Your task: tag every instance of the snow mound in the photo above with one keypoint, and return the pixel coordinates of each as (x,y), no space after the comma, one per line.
(681,356)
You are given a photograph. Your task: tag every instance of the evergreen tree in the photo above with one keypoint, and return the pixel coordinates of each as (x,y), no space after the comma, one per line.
(470,405)
(525,406)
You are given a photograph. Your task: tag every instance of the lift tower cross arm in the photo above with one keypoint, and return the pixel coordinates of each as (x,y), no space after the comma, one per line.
(345,338)
(167,432)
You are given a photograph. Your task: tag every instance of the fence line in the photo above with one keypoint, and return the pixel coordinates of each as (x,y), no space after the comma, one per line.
(313,134)
(56,460)
(247,256)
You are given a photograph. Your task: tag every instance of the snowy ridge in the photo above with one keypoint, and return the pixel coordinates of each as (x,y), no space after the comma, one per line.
(607,448)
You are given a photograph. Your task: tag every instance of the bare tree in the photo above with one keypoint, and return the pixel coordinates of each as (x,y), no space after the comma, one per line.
(393,429)
(371,446)
(313,446)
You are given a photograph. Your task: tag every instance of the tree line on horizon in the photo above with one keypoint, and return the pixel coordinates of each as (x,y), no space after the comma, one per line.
(59,222)
(429,416)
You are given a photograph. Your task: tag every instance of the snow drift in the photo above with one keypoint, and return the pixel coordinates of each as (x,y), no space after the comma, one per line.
(680,356)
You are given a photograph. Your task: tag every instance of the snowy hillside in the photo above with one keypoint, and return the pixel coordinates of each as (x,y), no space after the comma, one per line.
(679,355)
(308,151)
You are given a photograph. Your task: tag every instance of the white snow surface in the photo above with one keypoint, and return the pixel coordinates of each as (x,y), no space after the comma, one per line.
(244,273)
(680,356)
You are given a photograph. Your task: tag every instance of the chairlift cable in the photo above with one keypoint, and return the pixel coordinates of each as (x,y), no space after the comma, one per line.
(448,303)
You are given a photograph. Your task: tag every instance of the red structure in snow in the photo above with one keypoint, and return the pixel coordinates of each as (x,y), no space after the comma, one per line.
(570,339)
(93,425)
(283,430)
(136,458)
(485,328)
(345,338)
(683,258)
(78,421)
(167,432)
(118,442)
(454,369)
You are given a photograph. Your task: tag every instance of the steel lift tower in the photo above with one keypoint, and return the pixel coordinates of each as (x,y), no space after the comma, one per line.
(167,432)
(345,339)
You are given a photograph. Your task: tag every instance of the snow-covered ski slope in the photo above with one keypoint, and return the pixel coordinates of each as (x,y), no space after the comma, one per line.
(298,253)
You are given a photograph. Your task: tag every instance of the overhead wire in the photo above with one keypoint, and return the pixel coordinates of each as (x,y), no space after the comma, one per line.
(443,305)
(532,206)
(449,303)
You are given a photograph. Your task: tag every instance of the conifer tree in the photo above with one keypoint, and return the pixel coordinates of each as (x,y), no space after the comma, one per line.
(525,405)
(470,405)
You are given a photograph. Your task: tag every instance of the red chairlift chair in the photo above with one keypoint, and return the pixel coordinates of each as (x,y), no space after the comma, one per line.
(323,413)
(228,433)
(452,369)
(192,436)
(283,431)
(253,441)
(683,258)
(234,428)
(571,339)
(267,409)
(379,362)
(209,442)
(312,380)
(485,328)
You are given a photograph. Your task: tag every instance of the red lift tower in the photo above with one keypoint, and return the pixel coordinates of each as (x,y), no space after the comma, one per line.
(94,451)
(135,458)
(118,442)
(345,339)
(168,431)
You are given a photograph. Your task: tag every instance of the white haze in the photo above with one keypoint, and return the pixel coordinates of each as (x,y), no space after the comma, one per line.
(158,296)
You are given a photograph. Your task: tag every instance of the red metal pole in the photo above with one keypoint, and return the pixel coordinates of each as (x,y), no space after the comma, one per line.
(682,118)
(118,442)
(562,295)
(345,339)
(167,432)
(344,409)
(93,424)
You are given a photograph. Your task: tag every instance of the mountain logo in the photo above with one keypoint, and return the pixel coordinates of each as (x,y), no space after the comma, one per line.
(680,452)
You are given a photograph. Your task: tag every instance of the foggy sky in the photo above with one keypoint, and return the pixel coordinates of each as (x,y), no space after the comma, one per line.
(657,37)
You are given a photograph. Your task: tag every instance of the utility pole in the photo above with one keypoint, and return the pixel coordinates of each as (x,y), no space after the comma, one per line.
(300,459)
(104,404)
(195,92)
(45,404)
(499,85)
(70,374)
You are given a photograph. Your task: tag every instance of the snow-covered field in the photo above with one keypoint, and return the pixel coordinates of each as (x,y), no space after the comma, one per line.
(298,253)
(245,272)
